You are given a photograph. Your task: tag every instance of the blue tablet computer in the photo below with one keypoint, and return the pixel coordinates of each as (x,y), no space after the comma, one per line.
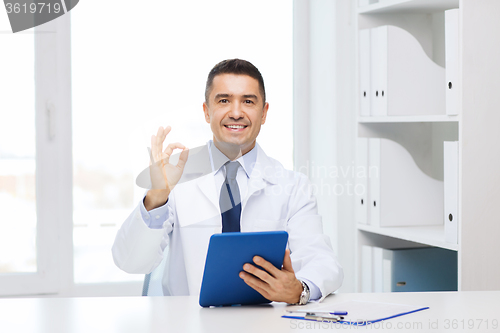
(227,253)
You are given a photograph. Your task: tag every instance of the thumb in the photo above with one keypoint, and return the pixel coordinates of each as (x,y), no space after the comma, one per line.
(287,262)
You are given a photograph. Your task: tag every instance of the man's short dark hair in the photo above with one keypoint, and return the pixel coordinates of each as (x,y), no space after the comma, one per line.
(238,67)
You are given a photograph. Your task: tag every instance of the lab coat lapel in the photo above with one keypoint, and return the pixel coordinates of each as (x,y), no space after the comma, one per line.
(207,184)
(207,187)
(262,175)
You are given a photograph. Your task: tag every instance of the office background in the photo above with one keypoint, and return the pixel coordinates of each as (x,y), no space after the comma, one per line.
(106,77)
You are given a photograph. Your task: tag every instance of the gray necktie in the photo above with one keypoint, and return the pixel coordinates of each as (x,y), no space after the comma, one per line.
(230,201)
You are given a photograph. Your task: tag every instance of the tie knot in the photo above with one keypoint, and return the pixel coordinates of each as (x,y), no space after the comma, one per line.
(231,170)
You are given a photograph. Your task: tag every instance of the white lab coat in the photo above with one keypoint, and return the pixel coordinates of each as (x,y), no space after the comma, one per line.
(277,199)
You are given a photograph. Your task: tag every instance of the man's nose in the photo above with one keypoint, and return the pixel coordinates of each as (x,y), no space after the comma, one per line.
(236,111)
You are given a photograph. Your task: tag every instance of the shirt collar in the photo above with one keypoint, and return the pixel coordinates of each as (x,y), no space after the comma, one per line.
(218,158)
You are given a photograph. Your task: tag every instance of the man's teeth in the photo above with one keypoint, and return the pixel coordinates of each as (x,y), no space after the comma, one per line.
(235,126)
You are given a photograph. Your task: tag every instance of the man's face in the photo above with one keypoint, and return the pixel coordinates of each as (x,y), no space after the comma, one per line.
(235,112)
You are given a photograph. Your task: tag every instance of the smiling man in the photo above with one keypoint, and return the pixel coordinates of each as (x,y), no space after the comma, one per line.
(245,191)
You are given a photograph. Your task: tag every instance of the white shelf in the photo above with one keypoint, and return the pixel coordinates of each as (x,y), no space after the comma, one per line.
(428,235)
(413,6)
(408,119)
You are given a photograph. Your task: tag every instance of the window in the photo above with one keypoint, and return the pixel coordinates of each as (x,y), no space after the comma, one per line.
(145,66)
(69,157)
(28,175)
(17,152)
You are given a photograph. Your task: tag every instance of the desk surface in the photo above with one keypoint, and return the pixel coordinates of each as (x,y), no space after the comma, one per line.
(449,312)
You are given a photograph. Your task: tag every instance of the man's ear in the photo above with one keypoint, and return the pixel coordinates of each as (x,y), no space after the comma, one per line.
(264,113)
(207,114)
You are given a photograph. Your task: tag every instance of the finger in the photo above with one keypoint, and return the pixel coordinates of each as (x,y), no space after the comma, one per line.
(170,148)
(260,286)
(287,262)
(151,159)
(159,142)
(267,266)
(155,149)
(164,133)
(183,158)
(261,274)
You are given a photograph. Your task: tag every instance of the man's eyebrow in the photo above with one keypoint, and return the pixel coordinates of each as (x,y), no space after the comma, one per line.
(222,96)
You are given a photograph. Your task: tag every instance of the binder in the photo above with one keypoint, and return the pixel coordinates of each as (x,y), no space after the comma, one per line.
(405,81)
(361,181)
(414,269)
(374,182)
(376,269)
(452,65)
(451,191)
(364,72)
(378,272)
(382,270)
(400,193)
(378,67)
(366,269)
(424,269)
(387,271)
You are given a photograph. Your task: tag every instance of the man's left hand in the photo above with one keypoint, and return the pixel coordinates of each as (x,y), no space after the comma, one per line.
(272,283)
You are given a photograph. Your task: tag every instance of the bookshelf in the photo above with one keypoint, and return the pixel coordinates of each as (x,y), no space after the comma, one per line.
(423,134)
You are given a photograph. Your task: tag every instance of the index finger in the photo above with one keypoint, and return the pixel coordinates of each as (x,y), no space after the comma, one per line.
(157,141)
(161,135)
(267,266)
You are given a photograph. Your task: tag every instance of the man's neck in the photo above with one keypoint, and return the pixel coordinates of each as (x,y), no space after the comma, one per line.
(232,152)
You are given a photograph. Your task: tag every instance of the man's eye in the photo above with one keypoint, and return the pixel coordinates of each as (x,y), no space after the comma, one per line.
(223,100)
(248,101)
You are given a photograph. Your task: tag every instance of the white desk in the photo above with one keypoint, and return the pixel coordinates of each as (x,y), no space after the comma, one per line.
(183,314)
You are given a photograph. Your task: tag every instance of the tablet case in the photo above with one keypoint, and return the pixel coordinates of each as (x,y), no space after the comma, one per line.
(227,253)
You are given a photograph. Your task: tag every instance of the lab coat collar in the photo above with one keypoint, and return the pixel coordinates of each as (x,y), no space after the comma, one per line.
(264,167)
(263,171)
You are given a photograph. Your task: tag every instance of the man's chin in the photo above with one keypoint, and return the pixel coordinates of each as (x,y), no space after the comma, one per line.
(235,148)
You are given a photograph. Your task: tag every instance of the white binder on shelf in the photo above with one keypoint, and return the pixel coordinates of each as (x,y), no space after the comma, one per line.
(452,66)
(364,72)
(378,273)
(374,182)
(405,81)
(451,191)
(376,269)
(361,181)
(387,271)
(366,269)
(382,270)
(402,194)
(378,72)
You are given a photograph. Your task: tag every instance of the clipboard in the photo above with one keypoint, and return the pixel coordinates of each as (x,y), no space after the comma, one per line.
(359,313)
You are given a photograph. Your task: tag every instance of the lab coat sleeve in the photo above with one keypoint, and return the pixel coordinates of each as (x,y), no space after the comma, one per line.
(312,255)
(139,249)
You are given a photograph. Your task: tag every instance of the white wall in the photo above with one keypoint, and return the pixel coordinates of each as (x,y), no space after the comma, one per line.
(324,114)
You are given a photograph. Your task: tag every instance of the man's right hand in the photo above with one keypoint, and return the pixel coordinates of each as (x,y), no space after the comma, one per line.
(164,176)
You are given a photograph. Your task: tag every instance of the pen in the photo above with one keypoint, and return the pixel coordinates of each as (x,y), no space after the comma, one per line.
(335,313)
(339,313)
(316,317)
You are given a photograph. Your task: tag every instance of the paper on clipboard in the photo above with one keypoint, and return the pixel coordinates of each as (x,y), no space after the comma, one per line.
(359,312)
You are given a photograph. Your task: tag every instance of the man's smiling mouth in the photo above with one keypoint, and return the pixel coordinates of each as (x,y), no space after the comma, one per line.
(235,127)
